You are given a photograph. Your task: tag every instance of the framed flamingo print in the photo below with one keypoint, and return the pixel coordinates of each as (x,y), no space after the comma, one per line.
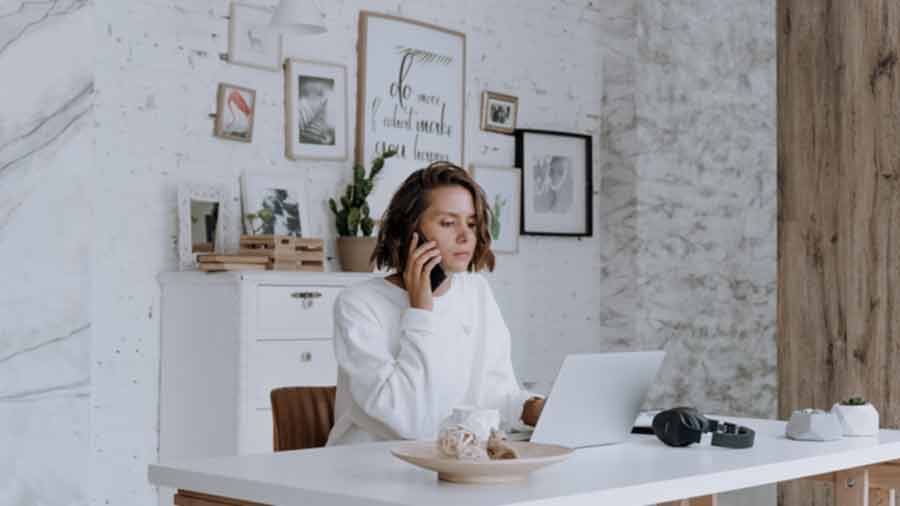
(235,109)
(315,108)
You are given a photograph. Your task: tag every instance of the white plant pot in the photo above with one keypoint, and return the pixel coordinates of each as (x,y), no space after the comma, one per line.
(857,420)
(814,425)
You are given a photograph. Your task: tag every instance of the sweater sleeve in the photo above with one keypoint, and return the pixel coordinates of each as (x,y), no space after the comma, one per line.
(502,388)
(401,391)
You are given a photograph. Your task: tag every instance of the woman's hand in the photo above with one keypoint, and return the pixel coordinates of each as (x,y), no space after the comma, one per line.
(417,275)
(531,411)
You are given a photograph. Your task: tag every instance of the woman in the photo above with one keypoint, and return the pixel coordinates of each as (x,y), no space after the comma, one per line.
(406,355)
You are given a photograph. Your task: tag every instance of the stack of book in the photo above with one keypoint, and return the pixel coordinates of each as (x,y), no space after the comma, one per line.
(218,263)
(286,253)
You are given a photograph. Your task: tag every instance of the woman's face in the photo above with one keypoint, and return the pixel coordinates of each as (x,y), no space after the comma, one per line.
(450,221)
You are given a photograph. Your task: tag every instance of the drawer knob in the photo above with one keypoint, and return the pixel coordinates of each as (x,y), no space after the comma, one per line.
(306,298)
(306,356)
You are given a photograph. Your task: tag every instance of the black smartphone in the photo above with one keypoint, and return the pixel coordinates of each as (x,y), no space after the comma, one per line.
(438,275)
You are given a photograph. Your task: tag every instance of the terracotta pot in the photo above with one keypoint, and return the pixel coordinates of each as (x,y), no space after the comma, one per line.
(354,253)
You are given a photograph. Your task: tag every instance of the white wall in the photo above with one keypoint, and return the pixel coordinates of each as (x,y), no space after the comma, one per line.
(46,176)
(158,68)
(604,67)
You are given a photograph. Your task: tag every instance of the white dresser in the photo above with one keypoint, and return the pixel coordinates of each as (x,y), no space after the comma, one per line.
(228,339)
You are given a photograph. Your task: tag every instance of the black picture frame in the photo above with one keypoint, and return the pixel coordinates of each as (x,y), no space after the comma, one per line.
(520,136)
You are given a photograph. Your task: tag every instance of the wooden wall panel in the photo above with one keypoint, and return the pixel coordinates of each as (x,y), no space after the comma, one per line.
(838,210)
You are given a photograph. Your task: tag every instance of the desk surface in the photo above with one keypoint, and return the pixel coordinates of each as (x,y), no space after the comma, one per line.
(639,471)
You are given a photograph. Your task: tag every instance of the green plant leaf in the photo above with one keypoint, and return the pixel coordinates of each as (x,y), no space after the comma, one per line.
(353,218)
(367,224)
(355,211)
(340,222)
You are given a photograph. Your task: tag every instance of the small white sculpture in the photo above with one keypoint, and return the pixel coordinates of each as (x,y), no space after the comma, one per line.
(814,425)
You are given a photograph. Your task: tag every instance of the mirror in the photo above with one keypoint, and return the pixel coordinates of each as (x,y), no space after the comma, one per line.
(204,218)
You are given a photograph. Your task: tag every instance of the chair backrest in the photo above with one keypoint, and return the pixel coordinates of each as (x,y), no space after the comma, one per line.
(302,417)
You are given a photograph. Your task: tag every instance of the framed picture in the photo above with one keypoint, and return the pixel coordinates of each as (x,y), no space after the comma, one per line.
(501,186)
(203,220)
(274,204)
(235,109)
(315,109)
(410,97)
(557,192)
(250,43)
(498,112)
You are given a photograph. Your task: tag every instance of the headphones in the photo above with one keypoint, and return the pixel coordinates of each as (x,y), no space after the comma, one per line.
(683,426)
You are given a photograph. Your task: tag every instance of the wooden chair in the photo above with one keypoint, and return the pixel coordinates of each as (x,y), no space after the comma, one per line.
(302,417)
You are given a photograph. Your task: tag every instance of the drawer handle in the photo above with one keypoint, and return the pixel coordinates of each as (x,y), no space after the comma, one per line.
(306,356)
(307,298)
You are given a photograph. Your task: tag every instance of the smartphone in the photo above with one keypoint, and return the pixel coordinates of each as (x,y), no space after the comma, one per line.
(438,275)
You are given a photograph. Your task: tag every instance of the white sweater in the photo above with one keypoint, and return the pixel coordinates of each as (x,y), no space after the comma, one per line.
(401,370)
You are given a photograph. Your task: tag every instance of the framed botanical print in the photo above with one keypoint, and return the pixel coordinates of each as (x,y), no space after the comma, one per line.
(557,189)
(274,204)
(235,109)
(250,42)
(498,112)
(501,187)
(411,98)
(315,107)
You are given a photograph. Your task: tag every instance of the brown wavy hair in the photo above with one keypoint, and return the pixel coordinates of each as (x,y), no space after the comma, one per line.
(402,216)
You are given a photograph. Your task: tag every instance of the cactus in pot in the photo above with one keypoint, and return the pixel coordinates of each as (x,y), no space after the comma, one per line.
(858,417)
(353,218)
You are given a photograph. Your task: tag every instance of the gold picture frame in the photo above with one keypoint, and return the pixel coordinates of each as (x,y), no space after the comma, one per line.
(499,112)
(235,113)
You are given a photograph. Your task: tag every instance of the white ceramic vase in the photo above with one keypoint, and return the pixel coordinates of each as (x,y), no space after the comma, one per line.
(857,420)
(480,421)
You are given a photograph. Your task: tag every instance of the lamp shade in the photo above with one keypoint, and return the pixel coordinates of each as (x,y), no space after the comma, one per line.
(297,17)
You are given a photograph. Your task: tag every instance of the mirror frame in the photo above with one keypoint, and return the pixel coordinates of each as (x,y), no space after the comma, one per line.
(204,192)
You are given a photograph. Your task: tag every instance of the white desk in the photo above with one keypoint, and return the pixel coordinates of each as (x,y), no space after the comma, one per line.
(639,472)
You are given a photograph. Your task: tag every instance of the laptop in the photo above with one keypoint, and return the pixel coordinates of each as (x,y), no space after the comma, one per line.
(596,398)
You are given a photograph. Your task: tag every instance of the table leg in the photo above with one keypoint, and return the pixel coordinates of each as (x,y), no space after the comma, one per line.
(706,500)
(882,497)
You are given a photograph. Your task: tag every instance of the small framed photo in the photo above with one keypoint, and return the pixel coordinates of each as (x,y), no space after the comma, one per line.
(315,110)
(235,109)
(501,186)
(274,204)
(498,112)
(557,189)
(203,221)
(250,42)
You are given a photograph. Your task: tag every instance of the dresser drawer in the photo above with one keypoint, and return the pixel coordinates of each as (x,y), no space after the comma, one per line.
(274,364)
(295,312)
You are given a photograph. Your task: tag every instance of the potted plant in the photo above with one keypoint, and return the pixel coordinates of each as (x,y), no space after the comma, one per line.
(858,417)
(355,250)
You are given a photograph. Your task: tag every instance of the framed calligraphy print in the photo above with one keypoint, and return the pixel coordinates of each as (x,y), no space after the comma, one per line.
(410,98)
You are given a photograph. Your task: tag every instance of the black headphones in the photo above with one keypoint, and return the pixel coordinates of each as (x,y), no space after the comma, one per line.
(683,426)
